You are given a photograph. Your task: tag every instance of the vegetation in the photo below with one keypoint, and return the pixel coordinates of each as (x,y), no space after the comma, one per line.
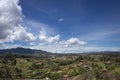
(61,67)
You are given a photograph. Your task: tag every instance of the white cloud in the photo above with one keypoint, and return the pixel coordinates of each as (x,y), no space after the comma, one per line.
(11,22)
(74,41)
(54,38)
(54,44)
(21,34)
(50,39)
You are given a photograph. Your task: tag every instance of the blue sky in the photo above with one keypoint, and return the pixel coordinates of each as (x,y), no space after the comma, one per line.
(62,25)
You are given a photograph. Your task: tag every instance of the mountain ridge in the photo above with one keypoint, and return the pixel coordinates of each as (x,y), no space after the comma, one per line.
(21,50)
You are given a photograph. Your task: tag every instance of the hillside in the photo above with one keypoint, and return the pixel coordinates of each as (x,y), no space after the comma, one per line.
(61,67)
(20,50)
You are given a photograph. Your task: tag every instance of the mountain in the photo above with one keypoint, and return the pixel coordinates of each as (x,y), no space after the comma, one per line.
(20,50)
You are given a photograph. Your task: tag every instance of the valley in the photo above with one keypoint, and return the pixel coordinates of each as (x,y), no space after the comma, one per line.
(96,66)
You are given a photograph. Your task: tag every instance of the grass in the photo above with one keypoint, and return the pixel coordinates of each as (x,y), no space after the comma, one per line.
(117,70)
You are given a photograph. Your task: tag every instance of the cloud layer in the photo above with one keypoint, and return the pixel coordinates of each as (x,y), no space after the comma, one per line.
(11,18)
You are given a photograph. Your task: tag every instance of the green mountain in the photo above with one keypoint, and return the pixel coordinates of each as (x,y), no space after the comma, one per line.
(20,50)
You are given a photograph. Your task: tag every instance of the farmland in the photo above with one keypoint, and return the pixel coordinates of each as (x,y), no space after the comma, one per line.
(61,66)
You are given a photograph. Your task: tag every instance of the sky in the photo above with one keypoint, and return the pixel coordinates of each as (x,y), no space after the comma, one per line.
(60,26)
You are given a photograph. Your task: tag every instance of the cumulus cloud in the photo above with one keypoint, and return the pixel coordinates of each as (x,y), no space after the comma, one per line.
(11,22)
(21,34)
(50,39)
(55,44)
(74,41)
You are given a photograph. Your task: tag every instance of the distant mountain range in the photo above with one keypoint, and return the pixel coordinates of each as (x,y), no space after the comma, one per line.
(20,50)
